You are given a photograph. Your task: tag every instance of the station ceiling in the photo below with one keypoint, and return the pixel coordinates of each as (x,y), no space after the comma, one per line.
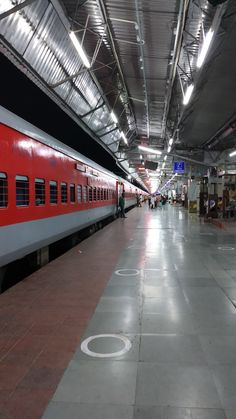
(142,55)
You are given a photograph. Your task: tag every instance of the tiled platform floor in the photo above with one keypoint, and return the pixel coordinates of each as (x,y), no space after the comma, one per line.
(171,292)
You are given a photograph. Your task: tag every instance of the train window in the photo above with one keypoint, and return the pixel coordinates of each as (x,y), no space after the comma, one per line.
(63,192)
(85,194)
(22,191)
(90,193)
(95,194)
(72,192)
(105,194)
(3,190)
(39,191)
(99,195)
(53,192)
(79,193)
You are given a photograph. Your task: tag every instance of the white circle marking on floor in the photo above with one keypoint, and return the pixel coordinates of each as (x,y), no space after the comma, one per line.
(122,272)
(87,351)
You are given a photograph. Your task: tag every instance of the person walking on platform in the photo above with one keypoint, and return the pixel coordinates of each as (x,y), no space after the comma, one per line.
(122,205)
(152,202)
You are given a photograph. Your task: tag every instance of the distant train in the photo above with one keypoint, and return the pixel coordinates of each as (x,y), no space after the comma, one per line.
(48,190)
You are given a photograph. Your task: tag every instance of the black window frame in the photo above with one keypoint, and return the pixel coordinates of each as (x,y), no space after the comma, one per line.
(64,193)
(53,186)
(22,191)
(72,193)
(3,190)
(39,188)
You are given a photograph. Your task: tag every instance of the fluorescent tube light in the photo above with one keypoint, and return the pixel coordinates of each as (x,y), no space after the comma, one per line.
(165,158)
(113,116)
(150,150)
(232,154)
(80,50)
(188,94)
(124,138)
(205,48)
(169,149)
(171,141)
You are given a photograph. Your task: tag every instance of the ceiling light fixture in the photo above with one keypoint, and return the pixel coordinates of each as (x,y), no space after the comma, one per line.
(113,116)
(150,150)
(79,49)
(171,141)
(165,157)
(169,149)
(124,138)
(205,48)
(188,94)
(232,154)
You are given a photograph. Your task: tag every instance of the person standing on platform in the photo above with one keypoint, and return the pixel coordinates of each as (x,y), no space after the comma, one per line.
(140,200)
(152,202)
(122,205)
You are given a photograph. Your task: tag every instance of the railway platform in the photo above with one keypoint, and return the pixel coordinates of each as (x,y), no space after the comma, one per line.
(136,322)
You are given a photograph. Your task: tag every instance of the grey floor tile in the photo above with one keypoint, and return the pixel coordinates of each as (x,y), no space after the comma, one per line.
(193,273)
(219,349)
(168,306)
(105,382)
(168,384)
(150,291)
(59,410)
(159,274)
(214,324)
(230,414)
(178,349)
(209,297)
(161,281)
(121,291)
(225,379)
(110,345)
(207,414)
(143,412)
(174,413)
(198,282)
(178,323)
(231,292)
(232,273)
(115,304)
(115,322)
(131,281)
(161,264)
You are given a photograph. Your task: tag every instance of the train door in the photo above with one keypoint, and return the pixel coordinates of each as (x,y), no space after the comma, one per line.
(119,190)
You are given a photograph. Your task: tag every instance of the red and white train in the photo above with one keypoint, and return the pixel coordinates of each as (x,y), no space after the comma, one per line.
(48,190)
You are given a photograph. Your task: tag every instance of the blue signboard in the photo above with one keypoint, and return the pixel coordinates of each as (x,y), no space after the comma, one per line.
(179,167)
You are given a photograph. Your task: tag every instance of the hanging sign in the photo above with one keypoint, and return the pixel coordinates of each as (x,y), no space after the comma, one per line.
(179,167)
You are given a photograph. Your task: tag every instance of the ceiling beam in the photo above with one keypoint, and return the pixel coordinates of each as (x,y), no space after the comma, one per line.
(16,8)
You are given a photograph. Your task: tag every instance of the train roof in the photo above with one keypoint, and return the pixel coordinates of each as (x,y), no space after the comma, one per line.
(10,119)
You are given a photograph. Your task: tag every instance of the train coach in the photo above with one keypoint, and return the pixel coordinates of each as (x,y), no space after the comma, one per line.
(48,190)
